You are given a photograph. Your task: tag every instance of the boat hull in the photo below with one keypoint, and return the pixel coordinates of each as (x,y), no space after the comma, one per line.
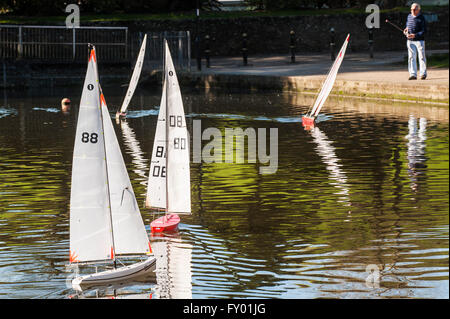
(115,275)
(167,222)
(308,122)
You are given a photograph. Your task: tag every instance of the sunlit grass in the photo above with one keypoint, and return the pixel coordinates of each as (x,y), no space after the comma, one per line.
(438,60)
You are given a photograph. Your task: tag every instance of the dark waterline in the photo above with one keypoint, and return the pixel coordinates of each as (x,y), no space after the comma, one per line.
(368,187)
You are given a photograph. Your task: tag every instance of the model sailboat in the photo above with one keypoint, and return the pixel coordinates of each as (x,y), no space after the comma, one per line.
(309,119)
(134,79)
(169,177)
(105,221)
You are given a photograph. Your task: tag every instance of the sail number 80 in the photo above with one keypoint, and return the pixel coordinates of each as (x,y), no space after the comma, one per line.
(179,143)
(86,137)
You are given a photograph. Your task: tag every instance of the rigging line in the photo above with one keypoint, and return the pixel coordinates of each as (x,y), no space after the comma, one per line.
(120,262)
(123,191)
(131,193)
(107,175)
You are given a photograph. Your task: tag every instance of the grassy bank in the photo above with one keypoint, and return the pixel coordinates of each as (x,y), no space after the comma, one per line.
(439,60)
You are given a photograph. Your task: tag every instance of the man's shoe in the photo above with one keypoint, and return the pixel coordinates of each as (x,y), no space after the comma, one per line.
(412,78)
(423,77)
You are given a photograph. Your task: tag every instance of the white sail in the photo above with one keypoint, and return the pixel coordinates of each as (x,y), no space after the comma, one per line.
(135,76)
(90,222)
(329,82)
(130,236)
(104,216)
(169,171)
(156,186)
(178,173)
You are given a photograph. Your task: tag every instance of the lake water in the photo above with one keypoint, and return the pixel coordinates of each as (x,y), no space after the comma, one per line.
(368,189)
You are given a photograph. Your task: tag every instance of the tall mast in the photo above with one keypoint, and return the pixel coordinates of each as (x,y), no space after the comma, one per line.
(107,183)
(106,163)
(166,78)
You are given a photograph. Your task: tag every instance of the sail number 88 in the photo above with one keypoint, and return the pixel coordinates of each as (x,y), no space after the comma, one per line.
(86,137)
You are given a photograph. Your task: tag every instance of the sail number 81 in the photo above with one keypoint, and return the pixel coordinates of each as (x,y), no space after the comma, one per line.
(86,137)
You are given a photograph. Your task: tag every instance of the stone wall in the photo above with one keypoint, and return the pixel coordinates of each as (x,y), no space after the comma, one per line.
(270,35)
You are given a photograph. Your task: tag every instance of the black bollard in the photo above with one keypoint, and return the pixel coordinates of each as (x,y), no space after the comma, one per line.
(197,52)
(207,50)
(332,43)
(244,48)
(292,46)
(370,30)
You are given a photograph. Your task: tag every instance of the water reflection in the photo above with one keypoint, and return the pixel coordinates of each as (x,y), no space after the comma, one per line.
(112,294)
(328,154)
(173,266)
(279,235)
(140,288)
(48,109)
(416,149)
(280,119)
(4,112)
(142,113)
(140,163)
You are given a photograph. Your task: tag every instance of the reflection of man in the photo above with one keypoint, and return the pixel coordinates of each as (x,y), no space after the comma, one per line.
(416,150)
(415,31)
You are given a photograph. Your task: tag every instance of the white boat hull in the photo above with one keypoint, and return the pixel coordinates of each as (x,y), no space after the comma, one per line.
(114,275)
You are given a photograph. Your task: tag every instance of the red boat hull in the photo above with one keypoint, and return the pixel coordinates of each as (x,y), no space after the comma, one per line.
(165,223)
(308,122)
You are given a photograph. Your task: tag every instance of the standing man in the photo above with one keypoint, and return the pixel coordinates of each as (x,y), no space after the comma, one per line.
(415,31)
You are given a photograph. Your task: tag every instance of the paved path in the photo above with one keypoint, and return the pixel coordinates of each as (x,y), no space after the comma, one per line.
(384,75)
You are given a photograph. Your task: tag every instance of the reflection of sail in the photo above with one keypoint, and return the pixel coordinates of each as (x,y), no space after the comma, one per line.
(416,148)
(173,267)
(139,161)
(7,111)
(327,152)
(113,292)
